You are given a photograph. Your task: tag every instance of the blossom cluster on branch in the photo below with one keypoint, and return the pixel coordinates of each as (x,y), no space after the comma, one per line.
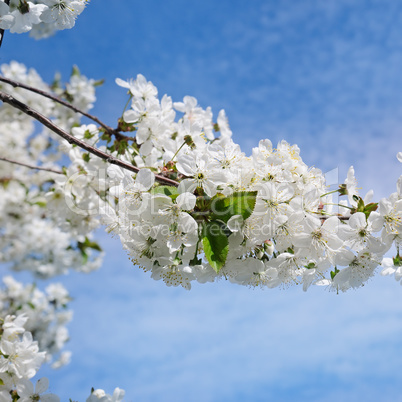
(263,220)
(37,235)
(199,209)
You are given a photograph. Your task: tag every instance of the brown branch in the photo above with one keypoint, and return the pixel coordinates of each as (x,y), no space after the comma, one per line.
(48,95)
(72,140)
(30,166)
(325,217)
(340,217)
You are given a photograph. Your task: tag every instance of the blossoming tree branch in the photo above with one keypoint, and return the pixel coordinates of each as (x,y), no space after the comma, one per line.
(187,204)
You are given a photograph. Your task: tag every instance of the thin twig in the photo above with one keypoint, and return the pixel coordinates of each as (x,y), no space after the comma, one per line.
(72,140)
(340,217)
(48,95)
(30,166)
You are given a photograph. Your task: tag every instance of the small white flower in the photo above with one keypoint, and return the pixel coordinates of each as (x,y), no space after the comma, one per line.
(24,22)
(62,13)
(203,172)
(99,395)
(391,268)
(357,233)
(27,393)
(23,357)
(6,19)
(351,185)
(87,133)
(139,88)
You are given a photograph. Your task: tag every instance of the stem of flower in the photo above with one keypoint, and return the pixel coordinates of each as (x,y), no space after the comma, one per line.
(181,146)
(129,99)
(331,192)
(340,205)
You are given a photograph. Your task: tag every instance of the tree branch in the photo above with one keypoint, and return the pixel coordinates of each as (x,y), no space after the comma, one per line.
(48,95)
(340,217)
(30,166)
(72,140)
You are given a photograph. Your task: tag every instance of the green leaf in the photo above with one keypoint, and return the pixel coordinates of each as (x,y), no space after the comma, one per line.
(216,244)
(333,273)
(310,265)
(83,246)
(166,190)
(397,260)
(369,208)
(56,84)
(75,71)
(360,205)
(106,136)
(98,83)
(343,190)
(239,203)
(366,209)
(84,256)
(93,245)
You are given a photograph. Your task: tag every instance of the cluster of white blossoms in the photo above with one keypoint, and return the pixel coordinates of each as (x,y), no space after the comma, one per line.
(260,220)
(39,232)
(46,314)
(20,360)
(41,17)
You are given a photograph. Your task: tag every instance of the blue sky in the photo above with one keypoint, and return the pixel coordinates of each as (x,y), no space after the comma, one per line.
(324,75)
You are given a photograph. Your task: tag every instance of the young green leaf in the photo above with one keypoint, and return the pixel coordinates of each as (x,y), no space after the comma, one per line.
(397,260)
(166,190)
(239,203)
(216,244)
(333,273)
(369,208)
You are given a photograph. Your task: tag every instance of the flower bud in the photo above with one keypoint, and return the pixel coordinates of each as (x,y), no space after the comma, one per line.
(269,247)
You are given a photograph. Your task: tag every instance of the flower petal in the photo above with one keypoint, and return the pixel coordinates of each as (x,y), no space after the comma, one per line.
(145,179)
(41,385)
(186,201)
